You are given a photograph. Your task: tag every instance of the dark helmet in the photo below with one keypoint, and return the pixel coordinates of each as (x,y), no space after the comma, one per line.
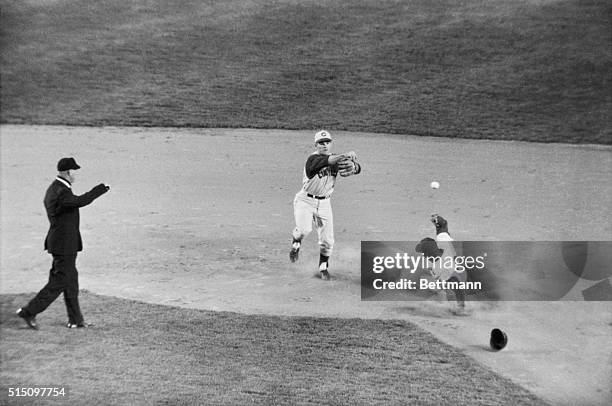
(499,339)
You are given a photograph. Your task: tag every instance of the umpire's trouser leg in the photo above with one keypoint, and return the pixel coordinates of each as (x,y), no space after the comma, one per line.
(63,277)
(71,293)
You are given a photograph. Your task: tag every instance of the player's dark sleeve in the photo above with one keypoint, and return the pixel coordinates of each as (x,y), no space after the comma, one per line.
(315,163)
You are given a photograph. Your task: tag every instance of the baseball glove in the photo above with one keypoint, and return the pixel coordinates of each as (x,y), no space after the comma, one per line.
(347,167)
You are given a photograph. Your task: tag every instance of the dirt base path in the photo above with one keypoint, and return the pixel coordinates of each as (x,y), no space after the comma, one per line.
(201,218)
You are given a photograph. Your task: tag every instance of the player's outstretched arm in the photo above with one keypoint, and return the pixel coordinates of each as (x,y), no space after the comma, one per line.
(334,159)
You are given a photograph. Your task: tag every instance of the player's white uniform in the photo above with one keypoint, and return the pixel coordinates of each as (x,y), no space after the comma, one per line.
(444,273)
(444,268)
(312,204)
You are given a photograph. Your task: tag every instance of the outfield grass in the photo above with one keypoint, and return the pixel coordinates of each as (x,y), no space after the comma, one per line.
(499,69)
(141,353)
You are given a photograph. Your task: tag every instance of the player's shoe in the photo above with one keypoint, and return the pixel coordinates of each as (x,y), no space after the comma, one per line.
(459,310)
(324,272)
(295,251)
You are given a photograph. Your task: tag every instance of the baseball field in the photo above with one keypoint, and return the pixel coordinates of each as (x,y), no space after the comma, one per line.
(200,116)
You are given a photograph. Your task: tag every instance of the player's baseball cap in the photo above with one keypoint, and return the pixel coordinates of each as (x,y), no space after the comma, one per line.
(66,164)
(322,136)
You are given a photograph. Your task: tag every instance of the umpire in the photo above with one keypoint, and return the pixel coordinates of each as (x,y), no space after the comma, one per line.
(63,242)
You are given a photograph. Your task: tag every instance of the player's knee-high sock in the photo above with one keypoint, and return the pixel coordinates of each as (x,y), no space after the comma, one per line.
(296,243)
(298,235)
(323,259)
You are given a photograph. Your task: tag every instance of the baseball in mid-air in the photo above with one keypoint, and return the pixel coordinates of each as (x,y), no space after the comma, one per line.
(434,185)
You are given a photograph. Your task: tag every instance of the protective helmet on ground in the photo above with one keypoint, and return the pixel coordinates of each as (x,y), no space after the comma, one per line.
(499,339)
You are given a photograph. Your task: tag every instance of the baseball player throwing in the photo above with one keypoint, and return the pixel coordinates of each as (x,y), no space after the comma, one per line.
(312,204)
(441,248)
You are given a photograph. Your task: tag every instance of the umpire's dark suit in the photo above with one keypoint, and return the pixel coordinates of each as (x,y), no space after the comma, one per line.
(63,242)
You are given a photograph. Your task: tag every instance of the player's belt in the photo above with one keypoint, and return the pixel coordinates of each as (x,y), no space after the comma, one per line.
(317,197)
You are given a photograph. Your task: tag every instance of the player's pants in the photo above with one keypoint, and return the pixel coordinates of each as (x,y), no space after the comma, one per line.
(459,293)
(63,278)
(309,211)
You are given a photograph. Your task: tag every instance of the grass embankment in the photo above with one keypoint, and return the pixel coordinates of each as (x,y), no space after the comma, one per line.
(141,353)
(521,70)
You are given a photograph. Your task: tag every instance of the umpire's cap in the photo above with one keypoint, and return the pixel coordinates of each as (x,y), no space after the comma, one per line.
(66,164)
(499,339)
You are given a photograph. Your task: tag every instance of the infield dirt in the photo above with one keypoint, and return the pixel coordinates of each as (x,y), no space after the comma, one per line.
(202,219)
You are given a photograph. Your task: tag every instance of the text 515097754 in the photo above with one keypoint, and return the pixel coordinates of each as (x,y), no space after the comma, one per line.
(36,392)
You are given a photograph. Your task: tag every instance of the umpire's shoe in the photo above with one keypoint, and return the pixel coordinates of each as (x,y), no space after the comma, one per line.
(79,325)
(30,320)
(295,251)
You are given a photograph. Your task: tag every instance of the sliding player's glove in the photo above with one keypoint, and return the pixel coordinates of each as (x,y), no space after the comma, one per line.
(440,223)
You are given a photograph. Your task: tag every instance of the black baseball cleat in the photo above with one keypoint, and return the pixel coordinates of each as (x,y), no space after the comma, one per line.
(30,320)
(295,252)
